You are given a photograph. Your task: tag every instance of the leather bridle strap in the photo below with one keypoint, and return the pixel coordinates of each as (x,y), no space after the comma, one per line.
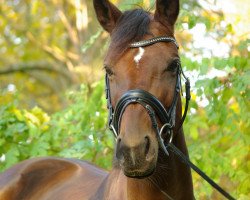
(150,110)
(108,98)
(187,99)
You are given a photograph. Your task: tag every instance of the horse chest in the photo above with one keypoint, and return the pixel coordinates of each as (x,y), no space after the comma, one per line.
(119,187)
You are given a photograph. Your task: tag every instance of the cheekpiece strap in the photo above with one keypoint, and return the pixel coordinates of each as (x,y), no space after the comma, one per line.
(145,43)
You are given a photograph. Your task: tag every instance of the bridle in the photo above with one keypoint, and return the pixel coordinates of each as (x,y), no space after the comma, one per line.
(153,106)
(155,109)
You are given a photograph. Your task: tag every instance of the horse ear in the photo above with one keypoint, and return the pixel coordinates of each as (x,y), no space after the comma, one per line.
(167,11)
(107,14)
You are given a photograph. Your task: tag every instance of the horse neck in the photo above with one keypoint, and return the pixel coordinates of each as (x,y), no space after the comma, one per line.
(171,180)
(172,176)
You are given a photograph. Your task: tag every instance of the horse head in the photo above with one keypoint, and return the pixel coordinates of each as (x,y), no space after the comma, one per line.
(150,68)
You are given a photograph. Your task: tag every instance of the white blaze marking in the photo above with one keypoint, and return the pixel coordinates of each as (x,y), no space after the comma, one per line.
(138,57)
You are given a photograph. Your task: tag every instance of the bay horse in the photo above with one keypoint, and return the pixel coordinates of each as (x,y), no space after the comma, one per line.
(143,93)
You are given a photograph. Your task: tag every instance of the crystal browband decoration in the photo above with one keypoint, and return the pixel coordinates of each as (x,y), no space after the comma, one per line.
(144,43)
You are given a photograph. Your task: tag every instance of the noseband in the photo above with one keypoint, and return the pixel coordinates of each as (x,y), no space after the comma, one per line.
(153,106)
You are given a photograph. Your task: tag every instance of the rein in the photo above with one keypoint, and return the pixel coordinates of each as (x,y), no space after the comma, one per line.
(155,109)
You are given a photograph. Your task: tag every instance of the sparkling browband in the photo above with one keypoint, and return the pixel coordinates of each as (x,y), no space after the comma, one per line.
(144,43)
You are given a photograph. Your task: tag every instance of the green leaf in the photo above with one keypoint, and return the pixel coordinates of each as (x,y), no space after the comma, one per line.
(194,132)
(11,156)
(191,21)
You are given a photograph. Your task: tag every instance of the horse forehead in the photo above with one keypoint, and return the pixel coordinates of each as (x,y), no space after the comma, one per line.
(158,52)
(150,58)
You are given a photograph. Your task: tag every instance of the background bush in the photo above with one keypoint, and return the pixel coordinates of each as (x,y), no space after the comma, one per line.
(77,131)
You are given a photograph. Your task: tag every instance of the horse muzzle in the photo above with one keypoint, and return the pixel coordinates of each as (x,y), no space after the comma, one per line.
(137,159)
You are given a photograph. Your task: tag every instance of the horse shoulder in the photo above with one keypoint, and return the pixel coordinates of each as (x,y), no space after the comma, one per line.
(50,178)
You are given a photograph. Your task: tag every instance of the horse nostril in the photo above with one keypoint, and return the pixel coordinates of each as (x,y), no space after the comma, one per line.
(147,145)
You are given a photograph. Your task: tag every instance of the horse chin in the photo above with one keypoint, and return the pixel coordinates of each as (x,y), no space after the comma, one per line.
(139,174)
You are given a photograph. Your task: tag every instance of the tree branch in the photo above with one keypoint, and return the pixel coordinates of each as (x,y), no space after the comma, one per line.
(56,53)
(36,66)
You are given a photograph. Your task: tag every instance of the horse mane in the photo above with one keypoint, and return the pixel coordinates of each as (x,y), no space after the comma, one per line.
(131,26)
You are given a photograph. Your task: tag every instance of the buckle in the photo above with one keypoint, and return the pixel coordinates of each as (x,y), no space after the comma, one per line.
(169,127)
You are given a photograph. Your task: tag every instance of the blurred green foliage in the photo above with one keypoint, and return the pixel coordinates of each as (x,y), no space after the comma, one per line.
(78,131)
(217,131)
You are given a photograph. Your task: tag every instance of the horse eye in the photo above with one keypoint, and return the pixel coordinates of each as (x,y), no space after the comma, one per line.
(173,66)
(108,70)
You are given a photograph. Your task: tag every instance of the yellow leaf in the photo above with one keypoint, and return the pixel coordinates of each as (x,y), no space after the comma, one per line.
(18,114)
